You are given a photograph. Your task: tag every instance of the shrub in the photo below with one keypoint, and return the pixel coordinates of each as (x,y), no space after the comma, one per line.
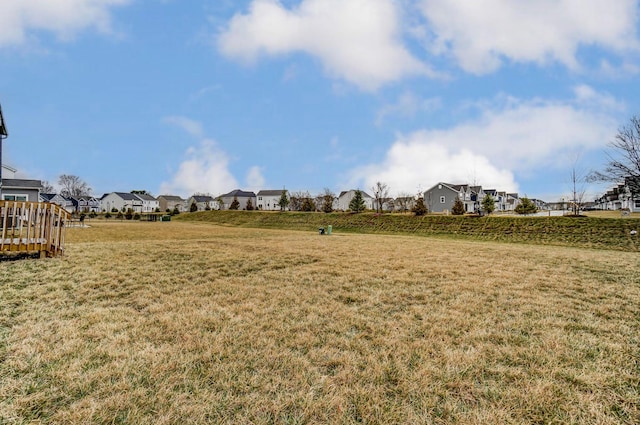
(526,207)
(136,216)
(420,208)
(458,207)
(107,215)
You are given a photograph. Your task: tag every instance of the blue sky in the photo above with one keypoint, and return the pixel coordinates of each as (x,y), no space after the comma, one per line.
(209,96)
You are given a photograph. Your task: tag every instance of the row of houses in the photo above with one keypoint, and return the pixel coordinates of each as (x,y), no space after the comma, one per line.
(621,197)
(438,199)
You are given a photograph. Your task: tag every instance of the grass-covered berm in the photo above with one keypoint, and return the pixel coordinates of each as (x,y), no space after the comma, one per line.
(605,231)
(187,323)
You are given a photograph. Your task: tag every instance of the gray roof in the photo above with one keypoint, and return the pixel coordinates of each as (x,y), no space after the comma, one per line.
(171,198)
(3,128)
(239,193)
(364,194)
(145,197)
(202,198)
(127,196)
(21,184)
(270,192)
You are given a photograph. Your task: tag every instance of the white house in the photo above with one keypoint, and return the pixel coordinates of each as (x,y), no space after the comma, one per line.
(149,203)
(202,203)
(268,200)
(345,197)
(121,201)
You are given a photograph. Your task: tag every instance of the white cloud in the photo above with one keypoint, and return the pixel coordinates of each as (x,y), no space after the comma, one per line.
(481,34)
(205,169)
(20,19)
(255,180)
(356,40)
(509,137)
(416,162)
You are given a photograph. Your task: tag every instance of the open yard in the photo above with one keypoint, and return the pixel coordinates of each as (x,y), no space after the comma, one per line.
(180,322)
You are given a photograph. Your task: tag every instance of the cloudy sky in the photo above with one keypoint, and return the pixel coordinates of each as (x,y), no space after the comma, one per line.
(212,95)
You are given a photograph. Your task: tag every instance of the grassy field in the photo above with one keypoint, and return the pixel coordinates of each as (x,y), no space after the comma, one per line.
(185,323)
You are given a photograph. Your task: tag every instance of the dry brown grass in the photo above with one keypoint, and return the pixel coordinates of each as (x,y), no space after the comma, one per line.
(159,323)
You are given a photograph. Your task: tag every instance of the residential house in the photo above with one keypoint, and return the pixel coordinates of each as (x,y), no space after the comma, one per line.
(624,196)
(86,204)
(171,202)
(242,196)
(121,201)
(149,203)
(202,202)
(14,189)
(54,198)
(404,204)
(345,197)
(268,200)
(440,198)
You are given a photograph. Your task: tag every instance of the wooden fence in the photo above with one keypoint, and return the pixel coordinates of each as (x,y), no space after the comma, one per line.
(32,227)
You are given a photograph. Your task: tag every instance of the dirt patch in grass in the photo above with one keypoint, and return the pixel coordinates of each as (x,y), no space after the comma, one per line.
(194,323)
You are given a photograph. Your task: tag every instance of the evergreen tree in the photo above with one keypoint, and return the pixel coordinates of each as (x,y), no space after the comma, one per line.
(175,211)
(526,207)
(458,207)
(249,206)
(420,208)
(488,204)
(357,203)
(235,204)
(193,207)
(283,203)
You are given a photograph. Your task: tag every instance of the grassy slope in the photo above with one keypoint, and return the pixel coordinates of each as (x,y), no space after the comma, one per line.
(602,233)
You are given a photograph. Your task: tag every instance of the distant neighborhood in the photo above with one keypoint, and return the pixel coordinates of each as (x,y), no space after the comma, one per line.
(439,198)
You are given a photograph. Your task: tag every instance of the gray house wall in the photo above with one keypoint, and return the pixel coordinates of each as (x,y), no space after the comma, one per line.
(440,198)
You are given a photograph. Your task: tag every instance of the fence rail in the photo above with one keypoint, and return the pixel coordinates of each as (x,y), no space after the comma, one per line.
(32,227)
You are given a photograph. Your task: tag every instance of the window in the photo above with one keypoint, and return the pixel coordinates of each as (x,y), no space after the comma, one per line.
(442,199)
(15,197)
(637,203)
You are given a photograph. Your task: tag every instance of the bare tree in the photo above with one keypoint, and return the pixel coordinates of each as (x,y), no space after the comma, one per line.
(624,157)
(327,197)
(405,202)
(47,187)
(578,189)
(73,186)
(380,193)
